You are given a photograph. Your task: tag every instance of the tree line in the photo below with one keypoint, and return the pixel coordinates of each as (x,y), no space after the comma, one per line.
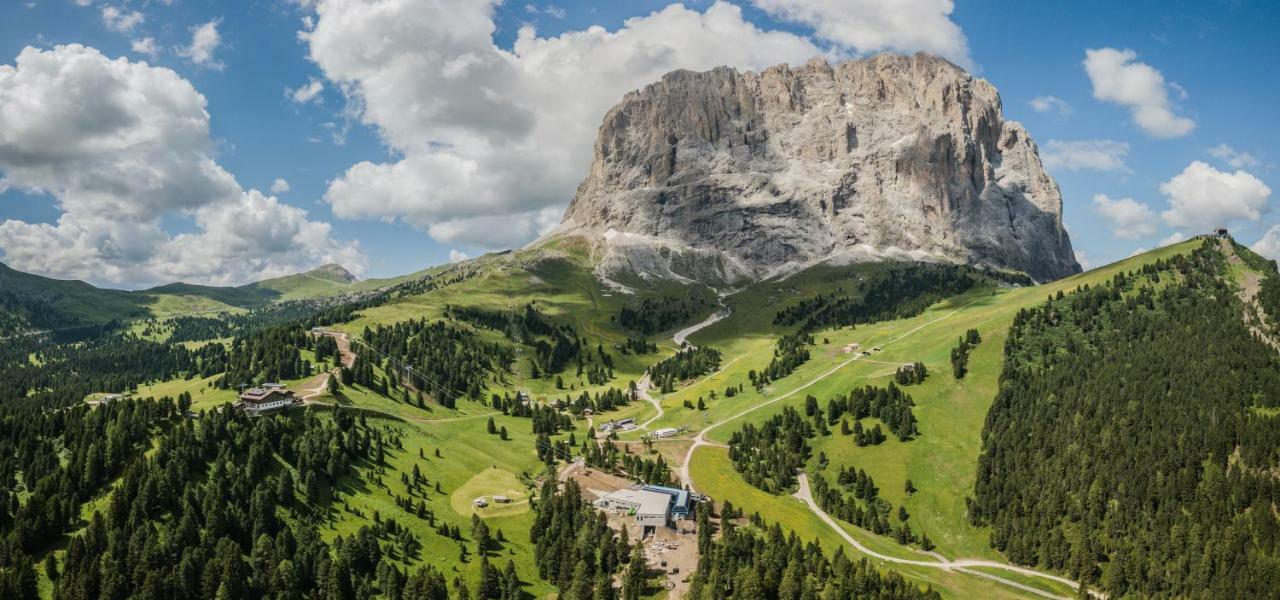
(685,364)
(657,314)
(747,563)
(449,362)
(1129,444)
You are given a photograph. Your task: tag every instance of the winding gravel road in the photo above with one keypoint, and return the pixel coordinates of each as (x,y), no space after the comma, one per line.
(963,565)
(804,494)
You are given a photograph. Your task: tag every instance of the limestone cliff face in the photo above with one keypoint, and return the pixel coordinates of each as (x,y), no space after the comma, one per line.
(726,176)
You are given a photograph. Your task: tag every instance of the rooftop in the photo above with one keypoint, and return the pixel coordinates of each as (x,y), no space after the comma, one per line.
(651,503)
(262,394)
(681,496)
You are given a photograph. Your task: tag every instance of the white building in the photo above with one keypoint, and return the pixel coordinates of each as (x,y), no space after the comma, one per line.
(665,432)
(650,508)
(264,399)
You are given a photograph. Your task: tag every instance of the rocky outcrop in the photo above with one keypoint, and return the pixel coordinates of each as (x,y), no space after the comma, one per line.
(725,176)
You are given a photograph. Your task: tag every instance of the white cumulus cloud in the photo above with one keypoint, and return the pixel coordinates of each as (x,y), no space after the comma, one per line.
(1118,77)
(279,186)
(146,46)
(1173,238)
(1269,244)
(1092,155)
(306,93)
(1053,104)
(121,21)
(876,25)
(1202,197)
(1128,218)
(205,40)
(456,255)
(491,143)
(120,145)
(1233,158)
(551,10)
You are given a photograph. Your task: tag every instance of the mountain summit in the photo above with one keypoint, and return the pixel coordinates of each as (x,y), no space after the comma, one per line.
(727,176)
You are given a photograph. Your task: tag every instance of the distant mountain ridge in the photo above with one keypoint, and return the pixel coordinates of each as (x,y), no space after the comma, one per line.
(726,176)
(31,302)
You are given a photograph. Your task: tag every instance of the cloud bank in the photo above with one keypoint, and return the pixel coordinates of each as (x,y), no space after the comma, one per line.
(120,145)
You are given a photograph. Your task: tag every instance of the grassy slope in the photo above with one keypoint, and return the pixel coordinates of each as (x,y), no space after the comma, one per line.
(71,302)
(466,450)
(560,289)
(941,461)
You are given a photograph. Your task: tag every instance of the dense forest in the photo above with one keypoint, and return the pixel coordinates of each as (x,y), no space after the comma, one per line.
(556,346)
(895,292)
(769,456)
(654,315)
(447,362)
(890,405)
(223,506)
(1134,440)
(270,354)
(64,374)
(745,563)
(684,365)
(575,549)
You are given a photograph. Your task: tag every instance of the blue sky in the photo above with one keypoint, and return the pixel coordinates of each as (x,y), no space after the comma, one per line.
(1146,144)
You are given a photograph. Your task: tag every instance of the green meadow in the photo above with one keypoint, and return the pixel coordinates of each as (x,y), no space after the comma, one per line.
(472,463)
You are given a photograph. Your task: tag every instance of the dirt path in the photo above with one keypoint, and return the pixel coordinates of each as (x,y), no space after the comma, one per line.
(681,336)
(345,354)
(321,387)
(642,392)
(962,565)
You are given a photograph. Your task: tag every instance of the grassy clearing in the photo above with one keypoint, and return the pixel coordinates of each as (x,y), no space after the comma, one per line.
(469,459)
(171,305)
(204,395)
(487,484)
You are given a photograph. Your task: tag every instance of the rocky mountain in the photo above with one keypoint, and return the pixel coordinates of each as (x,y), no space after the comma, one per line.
(726,176)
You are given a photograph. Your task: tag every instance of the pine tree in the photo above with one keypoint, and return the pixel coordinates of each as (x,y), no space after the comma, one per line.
(637,574)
